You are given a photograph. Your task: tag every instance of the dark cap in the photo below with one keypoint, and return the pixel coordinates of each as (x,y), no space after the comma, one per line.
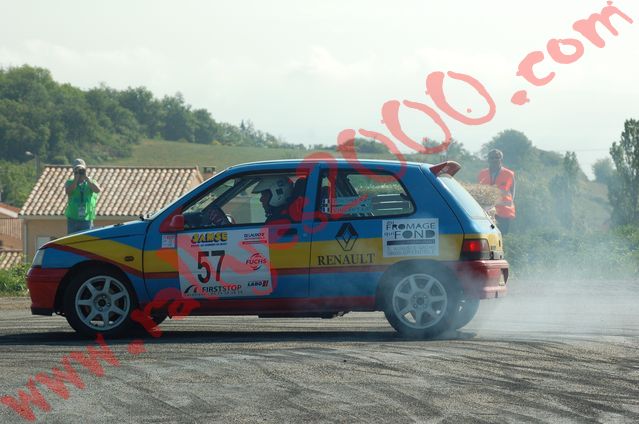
(79,164)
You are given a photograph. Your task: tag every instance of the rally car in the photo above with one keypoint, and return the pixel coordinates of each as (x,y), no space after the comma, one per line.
(292,238)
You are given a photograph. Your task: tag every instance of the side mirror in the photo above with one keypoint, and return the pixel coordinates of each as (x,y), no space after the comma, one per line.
(177,223)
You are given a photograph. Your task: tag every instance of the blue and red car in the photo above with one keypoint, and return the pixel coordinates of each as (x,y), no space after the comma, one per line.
(293,238)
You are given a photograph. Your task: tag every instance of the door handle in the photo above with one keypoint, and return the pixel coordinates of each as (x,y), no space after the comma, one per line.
(287,232)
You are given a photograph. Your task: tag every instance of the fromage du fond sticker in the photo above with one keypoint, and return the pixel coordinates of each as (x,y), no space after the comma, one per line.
(411,237)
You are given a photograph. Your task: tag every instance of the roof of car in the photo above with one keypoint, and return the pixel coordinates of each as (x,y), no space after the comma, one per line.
(273,164)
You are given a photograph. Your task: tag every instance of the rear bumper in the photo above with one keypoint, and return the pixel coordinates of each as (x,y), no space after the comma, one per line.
(483,279)
(43,285)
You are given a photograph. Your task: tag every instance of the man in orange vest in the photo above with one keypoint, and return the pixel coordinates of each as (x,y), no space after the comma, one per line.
(504,179)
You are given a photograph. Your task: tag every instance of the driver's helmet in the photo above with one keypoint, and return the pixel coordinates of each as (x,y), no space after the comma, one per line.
(281,189)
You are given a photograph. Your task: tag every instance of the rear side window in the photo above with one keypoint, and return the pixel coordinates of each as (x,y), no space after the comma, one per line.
(351,194)
(465,199)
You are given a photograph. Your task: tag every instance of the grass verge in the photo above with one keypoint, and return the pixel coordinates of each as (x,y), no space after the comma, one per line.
(13,281)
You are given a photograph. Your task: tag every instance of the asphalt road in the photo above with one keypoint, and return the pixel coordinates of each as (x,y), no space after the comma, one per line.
(548,352)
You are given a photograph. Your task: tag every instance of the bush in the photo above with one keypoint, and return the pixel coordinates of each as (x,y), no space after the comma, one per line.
(556,254)
(13,281)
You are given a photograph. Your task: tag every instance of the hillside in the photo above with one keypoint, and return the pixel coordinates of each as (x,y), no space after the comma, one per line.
(168,153)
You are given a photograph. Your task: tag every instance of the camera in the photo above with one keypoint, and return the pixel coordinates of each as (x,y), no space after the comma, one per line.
(81,172)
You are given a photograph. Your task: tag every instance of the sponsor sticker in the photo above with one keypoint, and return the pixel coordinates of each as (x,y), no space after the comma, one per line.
(256,261)
(410,237)
(168,241)
(218,264)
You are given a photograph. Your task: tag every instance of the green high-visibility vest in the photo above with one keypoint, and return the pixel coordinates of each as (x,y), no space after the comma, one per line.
(82,199)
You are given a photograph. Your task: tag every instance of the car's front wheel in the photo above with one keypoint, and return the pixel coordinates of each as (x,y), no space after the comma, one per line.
(99,302)
(421,303)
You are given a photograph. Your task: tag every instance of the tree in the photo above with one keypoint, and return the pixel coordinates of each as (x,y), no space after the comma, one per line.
(205,128)
(112,116)
(564,188)
(178,120)
(535,204)
(517,149)
(16,181)
(146,109)
(603,170)
(623,189)
(367,146)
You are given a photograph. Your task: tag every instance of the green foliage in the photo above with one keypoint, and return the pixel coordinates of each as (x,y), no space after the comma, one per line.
(547,159)
(205,128)
(623,187)
(564,188)
(557,254)
(59,122)
(55,120)
(16,181)
(551,190)
(363,145)
(178,121)
(534,203)
(517,148)
(146,109)
(13,281)
(603,170)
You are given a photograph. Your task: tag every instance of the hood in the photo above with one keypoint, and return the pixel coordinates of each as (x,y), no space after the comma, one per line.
(127,229)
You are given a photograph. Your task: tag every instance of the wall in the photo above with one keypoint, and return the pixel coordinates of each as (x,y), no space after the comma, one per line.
(10,233)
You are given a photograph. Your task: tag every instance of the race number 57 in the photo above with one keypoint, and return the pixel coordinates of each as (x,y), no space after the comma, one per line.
(204,265)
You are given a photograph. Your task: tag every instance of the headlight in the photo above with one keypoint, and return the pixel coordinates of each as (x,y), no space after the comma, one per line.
(38,258)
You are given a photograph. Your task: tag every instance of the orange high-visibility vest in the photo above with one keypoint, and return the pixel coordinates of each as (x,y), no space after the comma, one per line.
(504,182)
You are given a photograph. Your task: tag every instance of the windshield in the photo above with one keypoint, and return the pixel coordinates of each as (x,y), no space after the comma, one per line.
(168,205)
(465,199)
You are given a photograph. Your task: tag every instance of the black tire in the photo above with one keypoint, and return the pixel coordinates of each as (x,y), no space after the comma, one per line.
(138,330)
(427,295)
(159,318)
(96,296)
(466,311)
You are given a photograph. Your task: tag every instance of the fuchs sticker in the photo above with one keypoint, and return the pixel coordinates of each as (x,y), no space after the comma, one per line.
(410,237)
(256,261)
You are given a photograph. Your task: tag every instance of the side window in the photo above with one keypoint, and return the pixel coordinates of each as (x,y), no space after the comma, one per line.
(353,194)
(41,240)
(248,199)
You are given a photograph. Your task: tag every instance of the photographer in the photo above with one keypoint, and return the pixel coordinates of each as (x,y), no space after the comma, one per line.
(83,195)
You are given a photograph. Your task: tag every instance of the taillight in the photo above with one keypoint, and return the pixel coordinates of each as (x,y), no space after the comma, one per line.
(474,249)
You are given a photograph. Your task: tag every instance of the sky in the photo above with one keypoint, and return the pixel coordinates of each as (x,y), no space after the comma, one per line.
(305,71)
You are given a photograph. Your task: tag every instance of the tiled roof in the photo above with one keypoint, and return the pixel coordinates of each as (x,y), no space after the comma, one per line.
(9,258)
(126,191)
(8,210)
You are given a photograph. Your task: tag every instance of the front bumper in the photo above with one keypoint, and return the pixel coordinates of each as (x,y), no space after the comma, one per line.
(483,279)
(43,285)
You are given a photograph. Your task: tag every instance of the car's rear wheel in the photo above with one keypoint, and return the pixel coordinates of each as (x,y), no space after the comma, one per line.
(467,310)
(421,303)
(99,302)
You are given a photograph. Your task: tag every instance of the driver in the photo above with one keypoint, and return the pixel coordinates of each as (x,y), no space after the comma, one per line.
(276,192)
